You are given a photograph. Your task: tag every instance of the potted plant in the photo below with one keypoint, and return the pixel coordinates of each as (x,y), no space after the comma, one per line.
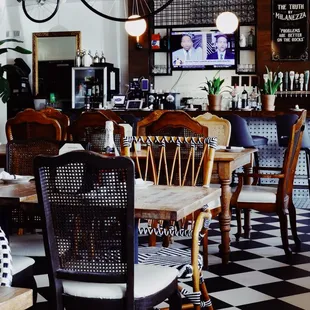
(214,89)
(4,84)
(270,87)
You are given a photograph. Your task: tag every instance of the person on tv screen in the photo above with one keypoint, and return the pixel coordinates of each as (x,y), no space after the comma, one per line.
(187,52)
(221,48)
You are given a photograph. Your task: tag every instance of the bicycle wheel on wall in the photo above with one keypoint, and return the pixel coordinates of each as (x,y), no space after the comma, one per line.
(117,10)
(40,11)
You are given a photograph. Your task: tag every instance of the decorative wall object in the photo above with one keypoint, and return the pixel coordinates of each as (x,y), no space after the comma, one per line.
(198,12)
(290,30)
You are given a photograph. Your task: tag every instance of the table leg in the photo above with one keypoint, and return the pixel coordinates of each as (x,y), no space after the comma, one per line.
(247,212)
(225,218)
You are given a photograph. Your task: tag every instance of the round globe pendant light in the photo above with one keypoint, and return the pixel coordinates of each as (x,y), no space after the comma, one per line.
(135,28)
(227,22)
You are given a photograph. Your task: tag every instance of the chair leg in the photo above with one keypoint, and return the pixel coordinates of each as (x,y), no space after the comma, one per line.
(205,295)
(239,226)
(292,214)
(284,234)
(175,300)
(205,243)
(247,223)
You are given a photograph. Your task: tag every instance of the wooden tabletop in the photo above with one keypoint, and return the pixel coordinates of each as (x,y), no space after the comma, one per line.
(160,201)
(14,298)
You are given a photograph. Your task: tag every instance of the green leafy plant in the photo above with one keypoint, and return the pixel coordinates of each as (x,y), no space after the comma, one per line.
(271,84)
(4,84)
(214,86)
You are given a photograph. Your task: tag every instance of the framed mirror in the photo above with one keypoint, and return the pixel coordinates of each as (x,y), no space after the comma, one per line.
(53,57)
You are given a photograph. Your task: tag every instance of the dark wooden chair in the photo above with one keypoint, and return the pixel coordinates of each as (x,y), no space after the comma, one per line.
(62,119)
(178,161)
(90,127)
(273,199)
(89,236)
(170,123)
(29,124)
(111,115)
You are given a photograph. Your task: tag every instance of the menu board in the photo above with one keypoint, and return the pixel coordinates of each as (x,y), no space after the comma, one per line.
(289,39)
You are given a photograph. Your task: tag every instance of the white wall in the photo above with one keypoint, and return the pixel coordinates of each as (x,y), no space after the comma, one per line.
(97,34)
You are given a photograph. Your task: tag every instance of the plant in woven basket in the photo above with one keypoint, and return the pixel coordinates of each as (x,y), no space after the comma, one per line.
(4,84)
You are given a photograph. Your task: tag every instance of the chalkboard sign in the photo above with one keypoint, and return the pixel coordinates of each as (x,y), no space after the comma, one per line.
(290,30)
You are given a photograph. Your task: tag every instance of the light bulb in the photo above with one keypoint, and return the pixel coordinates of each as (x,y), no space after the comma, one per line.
(227,22)
(136,27)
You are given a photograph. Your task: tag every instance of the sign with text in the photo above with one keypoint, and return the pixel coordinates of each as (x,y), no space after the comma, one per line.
(289,38)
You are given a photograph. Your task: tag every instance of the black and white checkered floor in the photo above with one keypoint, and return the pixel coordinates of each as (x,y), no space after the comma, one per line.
(258,277)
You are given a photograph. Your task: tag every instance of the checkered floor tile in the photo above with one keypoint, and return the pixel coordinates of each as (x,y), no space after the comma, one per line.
(258,276)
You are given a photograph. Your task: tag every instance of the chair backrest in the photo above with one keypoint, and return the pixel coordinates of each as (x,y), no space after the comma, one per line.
(240,133)
(6,268)
(171,123)
(90,127)
(285,187)
(21,153)
(88,219)
(217,127)
(62,119)
(284,126)
(111,115)
(173,160)
(29,124)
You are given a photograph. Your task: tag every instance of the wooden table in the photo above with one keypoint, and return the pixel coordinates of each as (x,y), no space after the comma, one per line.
(224,165)
(14,298)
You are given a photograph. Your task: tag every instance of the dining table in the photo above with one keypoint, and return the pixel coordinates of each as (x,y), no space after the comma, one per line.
(15,298)
(162,202)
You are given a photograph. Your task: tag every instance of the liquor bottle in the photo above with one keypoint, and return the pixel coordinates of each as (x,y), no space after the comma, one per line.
(87,102)
(244,98)
(234,99)
(109,145)
(251,38)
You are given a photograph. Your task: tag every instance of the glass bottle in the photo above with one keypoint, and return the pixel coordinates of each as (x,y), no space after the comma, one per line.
(109,145)
(244,98)
(234,99)
(251,38)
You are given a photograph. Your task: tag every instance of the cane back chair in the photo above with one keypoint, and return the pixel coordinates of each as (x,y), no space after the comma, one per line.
(29,124)
(90,127)
(177,161)
(62,119)
(217,127)
(274,199)
(89,235)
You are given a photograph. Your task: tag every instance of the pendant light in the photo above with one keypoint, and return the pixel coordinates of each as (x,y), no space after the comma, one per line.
(227,22)
(135,28)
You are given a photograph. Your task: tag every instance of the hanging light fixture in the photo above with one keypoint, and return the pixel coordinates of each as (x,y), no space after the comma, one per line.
(135,28)
(227,22)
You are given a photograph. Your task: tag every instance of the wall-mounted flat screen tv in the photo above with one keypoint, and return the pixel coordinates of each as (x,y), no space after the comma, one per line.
(202,49)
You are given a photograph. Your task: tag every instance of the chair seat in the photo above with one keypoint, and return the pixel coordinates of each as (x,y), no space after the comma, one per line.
(171,257)
(148,280)
(257,194)
(20,263)
(259,140)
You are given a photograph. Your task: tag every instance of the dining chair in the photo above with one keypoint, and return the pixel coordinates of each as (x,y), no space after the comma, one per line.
(62,118)
(284,124)
(111,115)
(170,123)
(241,136)
(29,124)
(274,199)
(89,235)
(15,271)
(217,127)
(90,127)
(177,161)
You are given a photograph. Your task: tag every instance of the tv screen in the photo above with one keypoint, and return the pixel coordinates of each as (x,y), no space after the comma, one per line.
(199,50)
